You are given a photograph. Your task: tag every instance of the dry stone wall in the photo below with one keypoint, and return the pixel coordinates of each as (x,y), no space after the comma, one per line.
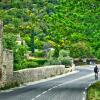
(35,74)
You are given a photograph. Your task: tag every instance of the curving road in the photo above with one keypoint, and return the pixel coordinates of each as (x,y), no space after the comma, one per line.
(68,87)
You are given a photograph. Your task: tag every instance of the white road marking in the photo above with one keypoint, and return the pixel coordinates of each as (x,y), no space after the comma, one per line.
(49,89)
(44,92)
(83,98)
(38,95)
(89,85)
(84,93)
(85,88)
(83,77)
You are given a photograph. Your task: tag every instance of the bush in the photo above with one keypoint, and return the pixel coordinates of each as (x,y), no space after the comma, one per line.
(29,64)
(40,62)
(39,54)
(56,52)
(93,91)
(50,54)
(19,57)
(64,57)
(64,53)
(66,62)
(26,64)
(52,61)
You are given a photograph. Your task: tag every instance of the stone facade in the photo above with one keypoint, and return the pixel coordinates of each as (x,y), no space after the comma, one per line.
(6,62)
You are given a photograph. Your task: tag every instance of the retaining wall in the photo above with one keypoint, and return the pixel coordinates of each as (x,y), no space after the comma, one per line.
(34,74)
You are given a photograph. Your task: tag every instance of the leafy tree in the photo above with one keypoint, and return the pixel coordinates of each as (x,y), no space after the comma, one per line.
(81,50)
(19,55)
(98,53)
(9,41)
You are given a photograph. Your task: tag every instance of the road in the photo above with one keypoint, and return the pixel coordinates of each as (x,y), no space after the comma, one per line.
(69,87)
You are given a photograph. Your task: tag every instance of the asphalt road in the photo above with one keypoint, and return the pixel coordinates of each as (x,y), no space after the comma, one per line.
(69,87)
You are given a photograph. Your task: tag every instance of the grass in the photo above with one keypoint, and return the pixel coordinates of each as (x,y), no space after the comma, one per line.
(93,92)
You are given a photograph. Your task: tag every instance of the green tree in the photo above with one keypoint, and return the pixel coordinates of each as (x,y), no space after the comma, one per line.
(81,50)
(9,41)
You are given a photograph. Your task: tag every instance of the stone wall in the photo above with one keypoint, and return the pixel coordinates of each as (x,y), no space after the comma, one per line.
(6,62)
(34,74)
(1,53)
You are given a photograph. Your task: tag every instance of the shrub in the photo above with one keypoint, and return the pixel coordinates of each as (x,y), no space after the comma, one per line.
(93,91)
(29,64)
(40,61)
(19,52)
(26,64)
(65,61)
(50,54)
(64,57)
(39,54)
(52,61)
(63,53)
(56,52)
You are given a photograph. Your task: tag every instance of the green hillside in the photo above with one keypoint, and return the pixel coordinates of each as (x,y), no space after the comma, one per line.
(73,24)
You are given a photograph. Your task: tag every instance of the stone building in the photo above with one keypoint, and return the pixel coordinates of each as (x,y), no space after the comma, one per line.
(6,62)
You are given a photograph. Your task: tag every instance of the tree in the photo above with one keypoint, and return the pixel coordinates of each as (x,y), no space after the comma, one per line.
(81,50)
(9,41)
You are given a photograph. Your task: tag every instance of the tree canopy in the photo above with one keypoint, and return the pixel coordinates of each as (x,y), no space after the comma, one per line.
(60,23)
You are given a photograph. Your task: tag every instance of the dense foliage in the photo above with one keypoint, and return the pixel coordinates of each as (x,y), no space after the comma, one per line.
(61,24)
(62,58)
(93,91)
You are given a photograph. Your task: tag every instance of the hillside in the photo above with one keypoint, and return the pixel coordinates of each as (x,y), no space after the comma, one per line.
(55,23)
